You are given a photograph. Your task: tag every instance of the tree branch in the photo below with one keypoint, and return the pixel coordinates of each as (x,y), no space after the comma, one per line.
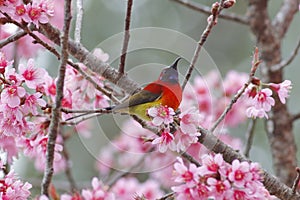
(126,37)
(249,137)
(285,63)
(12,38)
(279,126)
(55,118)
(296,182)
(79,16)
(202,40)
(284,17)
(91,61)
(206,10)
(272,184)
(68,171)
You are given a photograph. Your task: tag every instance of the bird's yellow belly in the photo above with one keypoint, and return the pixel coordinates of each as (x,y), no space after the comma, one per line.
(141,110)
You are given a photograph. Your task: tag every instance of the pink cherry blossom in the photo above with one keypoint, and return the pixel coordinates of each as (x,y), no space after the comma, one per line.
(253,112)
(150,190)
(183,192)
(98,191)
(4,63)
(12,77)
(282,89)
(186,175)
(38,12)
(211,164)
(11,95)
(165,141)
(189,121)
(8,144)
(161,115)
(125,188)
(240,173)
(264,100)
(32,75)
(260,104)
(13,188)
(32,103)
(219,188)
(183,141)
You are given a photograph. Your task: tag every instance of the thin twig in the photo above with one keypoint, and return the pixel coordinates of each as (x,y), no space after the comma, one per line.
(255,64)
(12,38)
(90,79)
(170,195)
(128,171)
(202,40)
(68,171)
(85,111)
(206,10)
(126,37)
(75,66)
(285,63)
(249,137)
(79,16)
(55,118)
(295,117)
(83,118)
(296,182)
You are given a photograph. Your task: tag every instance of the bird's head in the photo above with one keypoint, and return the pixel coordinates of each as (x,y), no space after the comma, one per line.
(170,74)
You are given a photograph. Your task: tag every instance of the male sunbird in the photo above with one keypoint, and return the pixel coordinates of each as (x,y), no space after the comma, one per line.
(165,91)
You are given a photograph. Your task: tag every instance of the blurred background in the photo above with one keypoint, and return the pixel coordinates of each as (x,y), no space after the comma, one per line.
(229,46)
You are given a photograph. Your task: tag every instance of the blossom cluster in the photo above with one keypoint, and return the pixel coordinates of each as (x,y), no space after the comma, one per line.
(26,98)
(185,135)
(37,11)
(216,179)
(125,189)
(13,188)
(261,100)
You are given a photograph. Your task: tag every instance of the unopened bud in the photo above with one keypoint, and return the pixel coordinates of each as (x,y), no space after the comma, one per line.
(252,93)
(215,8)
(255,81)
(228,3)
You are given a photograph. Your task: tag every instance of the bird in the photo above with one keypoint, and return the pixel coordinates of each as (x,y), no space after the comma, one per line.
(165,91)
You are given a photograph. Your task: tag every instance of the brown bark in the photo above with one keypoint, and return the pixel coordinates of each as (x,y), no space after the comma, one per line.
(279,126)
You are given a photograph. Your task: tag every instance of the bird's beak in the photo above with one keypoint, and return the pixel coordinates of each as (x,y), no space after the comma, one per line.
(174,65)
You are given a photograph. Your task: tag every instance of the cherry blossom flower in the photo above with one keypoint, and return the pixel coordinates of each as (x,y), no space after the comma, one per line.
(98,191)
(150,190)
(32,75)
(4,63)
(240,173)
(183,192)
(211,164)
(189,121)
(11,95)
(219,188)
(38,12)
(32,103)
(165,141)
(12,188)
(183,141)
(161,115)
(261,103)
(8,144)
(282,89)
(186,175)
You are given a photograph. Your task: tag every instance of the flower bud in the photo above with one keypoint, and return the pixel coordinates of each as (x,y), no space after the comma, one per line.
(215,8)
(228,3)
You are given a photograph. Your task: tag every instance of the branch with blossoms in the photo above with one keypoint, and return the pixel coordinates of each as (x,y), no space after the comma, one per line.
(28,97)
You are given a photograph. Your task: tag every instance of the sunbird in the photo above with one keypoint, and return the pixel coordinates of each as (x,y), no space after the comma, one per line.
(165,91)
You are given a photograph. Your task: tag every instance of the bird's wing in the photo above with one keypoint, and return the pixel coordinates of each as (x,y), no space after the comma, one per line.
(141,97)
